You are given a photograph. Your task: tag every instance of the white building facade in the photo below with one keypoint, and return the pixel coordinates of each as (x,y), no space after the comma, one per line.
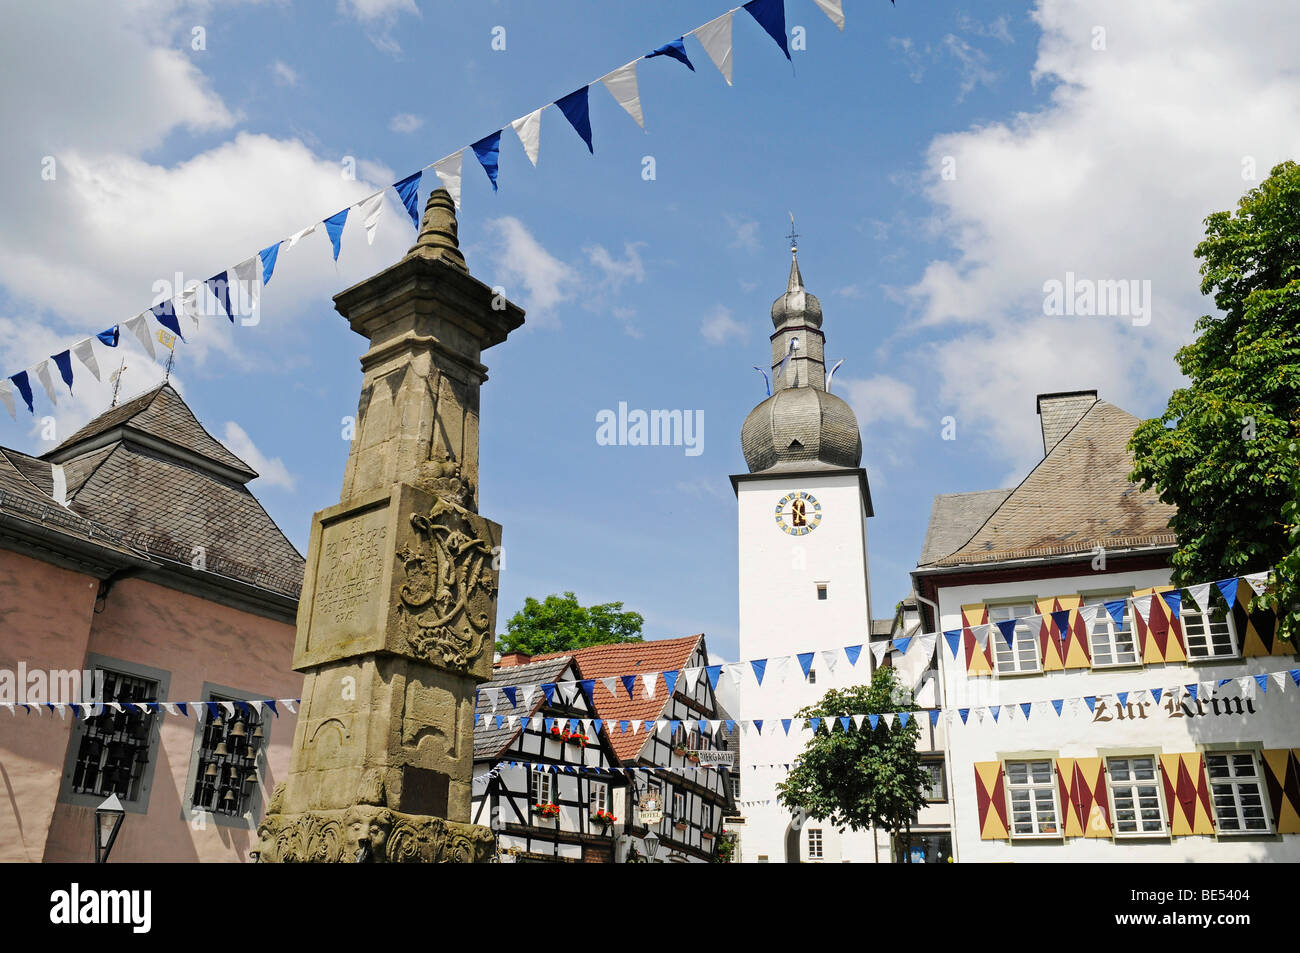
(1099,750)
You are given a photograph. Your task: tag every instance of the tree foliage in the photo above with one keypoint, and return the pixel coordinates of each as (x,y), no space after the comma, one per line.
(559,624)
(863,778)
(1222,451)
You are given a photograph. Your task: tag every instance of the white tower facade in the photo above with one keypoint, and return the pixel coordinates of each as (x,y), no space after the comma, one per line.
(804,588)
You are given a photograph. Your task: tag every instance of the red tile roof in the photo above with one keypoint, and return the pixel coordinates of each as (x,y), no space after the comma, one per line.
(630,658)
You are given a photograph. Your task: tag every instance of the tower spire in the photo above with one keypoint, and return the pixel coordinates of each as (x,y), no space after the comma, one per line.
(796,280)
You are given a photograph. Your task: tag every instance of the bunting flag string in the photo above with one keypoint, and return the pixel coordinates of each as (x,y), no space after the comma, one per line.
(714,36)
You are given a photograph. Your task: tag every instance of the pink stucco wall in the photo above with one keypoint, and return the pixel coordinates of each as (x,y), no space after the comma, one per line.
(194,640)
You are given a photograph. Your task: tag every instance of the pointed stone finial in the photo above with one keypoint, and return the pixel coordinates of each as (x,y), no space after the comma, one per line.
(438,237)
(796,280)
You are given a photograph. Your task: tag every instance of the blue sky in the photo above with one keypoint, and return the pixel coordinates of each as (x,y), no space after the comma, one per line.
(1069,157)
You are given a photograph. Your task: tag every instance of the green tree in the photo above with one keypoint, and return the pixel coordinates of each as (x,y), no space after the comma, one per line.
(871,777)
(1220,453)
(559,624)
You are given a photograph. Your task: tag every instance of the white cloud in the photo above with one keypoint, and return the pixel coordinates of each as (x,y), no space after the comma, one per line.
(1111,180)
(616,271)
(718,327)
(744,232)
(378,18)
(972,64)
(880,399)
(520,259)
(284,74)
(272,471)
(405,123)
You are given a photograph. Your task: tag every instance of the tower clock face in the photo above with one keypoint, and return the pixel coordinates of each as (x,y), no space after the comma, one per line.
(798,513)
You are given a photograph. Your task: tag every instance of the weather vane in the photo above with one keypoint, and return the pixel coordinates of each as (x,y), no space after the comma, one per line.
(793,236)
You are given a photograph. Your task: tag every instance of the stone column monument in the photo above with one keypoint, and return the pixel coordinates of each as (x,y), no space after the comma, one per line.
(397,620)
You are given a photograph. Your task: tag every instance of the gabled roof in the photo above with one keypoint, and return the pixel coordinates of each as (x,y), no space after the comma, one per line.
(631,658)
(1077,498)
(490,741)
(954,518)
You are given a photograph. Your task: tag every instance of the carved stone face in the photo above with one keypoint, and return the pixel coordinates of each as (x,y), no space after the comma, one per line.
(366,825)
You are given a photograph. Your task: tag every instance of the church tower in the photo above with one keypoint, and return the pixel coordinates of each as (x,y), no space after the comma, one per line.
(803,508)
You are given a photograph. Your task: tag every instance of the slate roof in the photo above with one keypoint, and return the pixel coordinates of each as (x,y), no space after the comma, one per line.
(148,477)
(954,518)
(490,741)
(1077,498)
(631,658)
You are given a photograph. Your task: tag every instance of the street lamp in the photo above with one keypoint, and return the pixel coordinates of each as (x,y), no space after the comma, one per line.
(651,841)
(108,821)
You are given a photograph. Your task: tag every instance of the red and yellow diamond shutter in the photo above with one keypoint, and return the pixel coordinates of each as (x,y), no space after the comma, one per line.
(1187,794)
(1282,776)
(1077,653)
(1160,636)
(978,661)
(1066,782)
(991,799)
(1094,804)
(1050,650)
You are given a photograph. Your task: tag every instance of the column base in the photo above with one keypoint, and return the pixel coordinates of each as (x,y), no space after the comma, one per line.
(365,833)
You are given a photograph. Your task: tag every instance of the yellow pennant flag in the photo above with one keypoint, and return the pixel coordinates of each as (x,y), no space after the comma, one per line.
(166,339)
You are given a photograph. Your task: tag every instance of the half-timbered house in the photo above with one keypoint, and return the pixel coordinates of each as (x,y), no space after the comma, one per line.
(559,801)
(694,797)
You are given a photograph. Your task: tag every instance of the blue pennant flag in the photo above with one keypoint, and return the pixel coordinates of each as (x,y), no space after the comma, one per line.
(903,717)
(213,709)
(1229,589)
(588,686)
(934,717)
(219,285)
(676,49)
(245,708)
(954,640)
(674,724)
(851,652)
(670,679)
(713,672)
(268,256)
(760,666)
(844,722)
(1091,701)
(184,709)
(965,713)
(902,644)
(873,720)
(770,15)
(648,726)
(996,710)
(574,725)
(1262,682)
(758,725)
(785,723)
(629,684)
(1155,694)
(63,361)
(548,724)
(1025,707)
(1295,675)
(76,709)
(109,337)
(1174,600)
(1062,619)
(1224,681)
(1192,689)
(623,726)
(815,723)
(1058,704)
(575,109)
(501,720)
(1123,697)
(703,725)
(488,150)
(805,662)
(408,190)
(166,315)
(512,694)
(334,229)
(1008,629)
(730,725)
(548,688)
(1116,609)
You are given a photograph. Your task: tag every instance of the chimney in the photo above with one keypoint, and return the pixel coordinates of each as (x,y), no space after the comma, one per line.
(1059,412)
(511,659)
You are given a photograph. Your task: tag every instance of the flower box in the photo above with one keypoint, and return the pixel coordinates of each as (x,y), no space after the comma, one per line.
(546,810)
(604,818)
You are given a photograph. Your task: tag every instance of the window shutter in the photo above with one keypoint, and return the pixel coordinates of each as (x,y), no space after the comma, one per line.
(1155,644)
(1067,782)
(1187,794)
(1076,651)
(991,798)
(978,662)
(1255,630)
(1049,641)
(1094,805)
(1282,776)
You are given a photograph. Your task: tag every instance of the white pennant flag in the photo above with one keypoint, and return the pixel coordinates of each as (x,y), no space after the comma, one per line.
(116,706)
(529,691)
(692,675)
(736,671)
(878,650)
(1200,594)
(288,703)
(370,211)
(529,130)
(1279,679)
(1142,606)
(7,398)
(86,354)
(776,669)
(636,725)
(448,170)
(622,86)
(831,657)
(1247,685)
(715,37)
(1208,689)
(190,303)
(139,326)
(171,708)
(981,633)
(491,694)
(610,684)
(249,275)
(833,9)
(889,718)
(857,721)
(916,660)
(650,681)
(229,708)
(1258,581)
(1089,614)
(296,237)
(43,375)
(11,706)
